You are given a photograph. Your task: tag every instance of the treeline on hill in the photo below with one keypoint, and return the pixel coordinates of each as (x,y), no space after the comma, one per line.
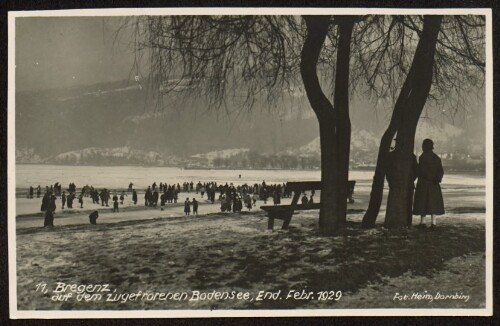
(98,159)
(254,160)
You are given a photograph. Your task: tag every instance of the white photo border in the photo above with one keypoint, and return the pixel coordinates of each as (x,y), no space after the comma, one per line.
(78,314)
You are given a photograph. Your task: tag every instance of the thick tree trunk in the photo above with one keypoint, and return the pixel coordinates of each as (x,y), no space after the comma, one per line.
(334,124)
(399,199)
(343,122)
(399,203)
(328,219)
(317,28)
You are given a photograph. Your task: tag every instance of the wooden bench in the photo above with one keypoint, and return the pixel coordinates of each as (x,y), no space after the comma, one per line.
(285,212)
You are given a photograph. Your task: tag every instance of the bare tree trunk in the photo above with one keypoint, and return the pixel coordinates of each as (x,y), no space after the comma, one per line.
(420,77)
(382,159)
(334,124)
(343,122)
(377,191)
(398,203)
(317,28)
(328,219)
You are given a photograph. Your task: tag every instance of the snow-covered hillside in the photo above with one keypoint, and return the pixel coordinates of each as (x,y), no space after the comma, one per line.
(210,156)
(117,155)
(361,140)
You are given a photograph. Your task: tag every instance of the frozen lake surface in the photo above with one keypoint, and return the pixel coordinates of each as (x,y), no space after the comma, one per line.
(459,190)
(120,176)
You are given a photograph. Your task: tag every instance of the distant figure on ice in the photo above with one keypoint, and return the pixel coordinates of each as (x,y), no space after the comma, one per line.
(134,196)
(277,198)
(163,198)
(93,217)
(45,202)
(264,195)
(122,197)
(80,200)
(115,204)
(63,199)
(49,218)
(38,191)
(130,185)
(31,193)
(50,209)
(148,197)
(304,199)
(187,207)
(311,200)
(428,196)
(155,198)
(237,205)
(57,192)
(195,207)
(104,197)
(69,200)
(248,202)
(254,199)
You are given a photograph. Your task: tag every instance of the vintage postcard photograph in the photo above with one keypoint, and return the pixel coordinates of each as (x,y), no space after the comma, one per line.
(225,162)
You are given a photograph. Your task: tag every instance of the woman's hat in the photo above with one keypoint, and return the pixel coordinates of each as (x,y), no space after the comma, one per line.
(427,144)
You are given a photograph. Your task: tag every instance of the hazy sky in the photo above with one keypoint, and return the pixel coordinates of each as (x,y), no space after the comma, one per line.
(54,52)
(58,52)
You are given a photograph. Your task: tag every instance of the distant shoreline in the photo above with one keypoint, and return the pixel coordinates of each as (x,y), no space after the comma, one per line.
(364,168)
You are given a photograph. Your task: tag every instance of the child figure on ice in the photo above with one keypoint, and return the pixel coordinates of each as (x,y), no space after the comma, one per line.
(115,205)
(93,217)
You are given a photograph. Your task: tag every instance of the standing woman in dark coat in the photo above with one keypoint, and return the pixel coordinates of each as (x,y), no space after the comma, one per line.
(428,196)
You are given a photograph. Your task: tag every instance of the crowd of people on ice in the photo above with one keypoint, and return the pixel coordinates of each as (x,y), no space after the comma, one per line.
(232,198)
